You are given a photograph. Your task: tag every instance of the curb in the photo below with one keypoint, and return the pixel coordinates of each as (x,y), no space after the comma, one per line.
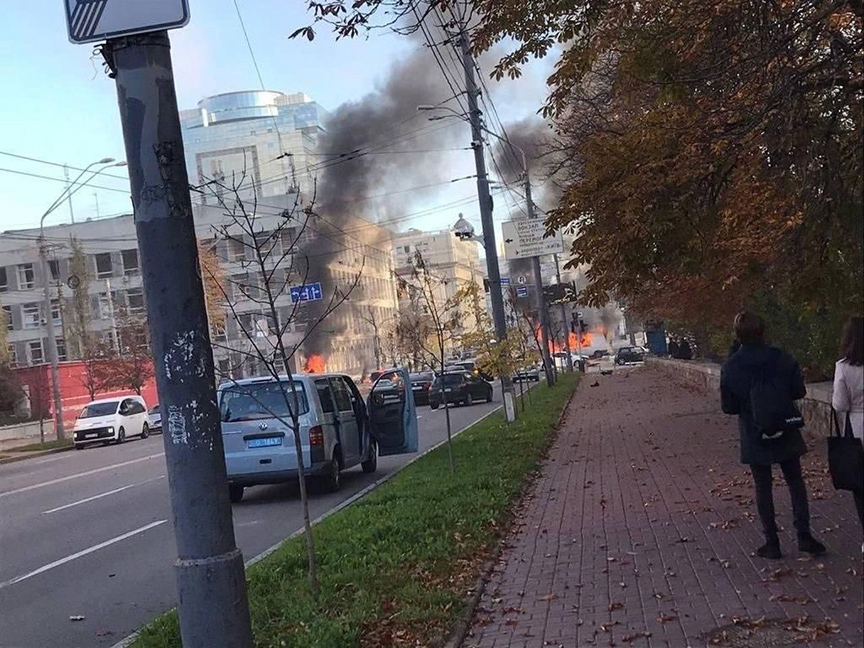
(462,627)
(128,641)
(35,454)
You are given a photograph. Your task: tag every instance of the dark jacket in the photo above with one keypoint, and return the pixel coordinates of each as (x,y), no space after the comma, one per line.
(735,382)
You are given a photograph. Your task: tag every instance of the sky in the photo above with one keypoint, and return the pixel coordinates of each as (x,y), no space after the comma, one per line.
(60,107)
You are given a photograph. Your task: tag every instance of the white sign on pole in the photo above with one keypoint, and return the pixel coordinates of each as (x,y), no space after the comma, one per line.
(90,21)
(525,238)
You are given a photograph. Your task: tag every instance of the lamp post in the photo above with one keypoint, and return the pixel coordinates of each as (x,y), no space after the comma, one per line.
(67,193)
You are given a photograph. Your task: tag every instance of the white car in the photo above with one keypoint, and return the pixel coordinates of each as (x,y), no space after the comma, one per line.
(155,415)
(111,420)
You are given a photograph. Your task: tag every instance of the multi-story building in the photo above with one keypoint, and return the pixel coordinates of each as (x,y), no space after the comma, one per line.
(113,284)
(255,137)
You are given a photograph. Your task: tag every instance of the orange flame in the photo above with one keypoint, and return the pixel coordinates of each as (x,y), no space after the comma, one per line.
(315,364)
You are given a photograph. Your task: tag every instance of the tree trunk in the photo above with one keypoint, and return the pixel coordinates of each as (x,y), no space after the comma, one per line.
(314,586)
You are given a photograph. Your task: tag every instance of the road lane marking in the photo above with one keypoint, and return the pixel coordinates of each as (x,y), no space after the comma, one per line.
(84,552)
(95,497)
(60,480)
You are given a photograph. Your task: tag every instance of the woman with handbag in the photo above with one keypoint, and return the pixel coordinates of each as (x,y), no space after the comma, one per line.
(848,397)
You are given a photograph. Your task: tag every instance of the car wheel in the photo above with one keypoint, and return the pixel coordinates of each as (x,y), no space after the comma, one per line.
(333,479)
(489,396)
(469,399)
(79,446)
(121,436)
(371,464)
(145,431)
(434,405)
(235,492)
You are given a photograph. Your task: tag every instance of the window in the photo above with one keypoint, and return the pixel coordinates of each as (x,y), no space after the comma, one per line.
(61,350)
(7,314)
(55,312)
(130,262)
(104,265)
(236,250)
(343,396)
(54,267)
(31,316)
(288,235)
(224,367)
(35,348)
(219,333)
(325,396)
(4,280)
(135,301)
(13,355)
(26,278)
(263,401)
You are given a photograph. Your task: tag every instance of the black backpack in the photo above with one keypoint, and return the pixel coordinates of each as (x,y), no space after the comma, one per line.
(771,406)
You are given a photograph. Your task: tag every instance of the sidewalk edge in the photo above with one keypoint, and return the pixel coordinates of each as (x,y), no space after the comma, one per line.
(36,454)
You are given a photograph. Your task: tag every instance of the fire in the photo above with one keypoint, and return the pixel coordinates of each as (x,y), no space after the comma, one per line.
(315,364)
(585,339)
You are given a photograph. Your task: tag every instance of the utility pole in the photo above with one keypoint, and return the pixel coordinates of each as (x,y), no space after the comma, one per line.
(564,319)
(59,428)
(492,269)
(69,188)
(540,300)
(211,585)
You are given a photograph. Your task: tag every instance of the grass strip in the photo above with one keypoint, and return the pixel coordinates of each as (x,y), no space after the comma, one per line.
(396,566)
(48,445)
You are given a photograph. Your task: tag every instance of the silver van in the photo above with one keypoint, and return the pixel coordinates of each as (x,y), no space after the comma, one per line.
(338,429)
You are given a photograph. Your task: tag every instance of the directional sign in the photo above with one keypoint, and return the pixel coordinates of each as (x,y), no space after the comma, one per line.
(90,21)
(527,238)
(306,293)
(521,291)
(505,281)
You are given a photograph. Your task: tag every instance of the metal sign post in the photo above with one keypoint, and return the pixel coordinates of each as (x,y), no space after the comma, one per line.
(211,584)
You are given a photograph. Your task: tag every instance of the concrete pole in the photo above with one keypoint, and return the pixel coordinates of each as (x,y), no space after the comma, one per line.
(564,322)
(59,429)
(492,269)
(540,299)
(211,586)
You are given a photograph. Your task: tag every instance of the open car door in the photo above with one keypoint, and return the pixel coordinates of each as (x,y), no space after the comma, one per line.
(392,413)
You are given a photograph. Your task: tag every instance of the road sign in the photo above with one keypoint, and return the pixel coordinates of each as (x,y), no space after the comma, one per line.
(521,279)
(526,238)
(521,291)
(306,293)
(505,281)
(89,21)
(562,293)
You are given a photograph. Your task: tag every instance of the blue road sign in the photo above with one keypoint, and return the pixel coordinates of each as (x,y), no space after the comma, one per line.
(521,291)
(306,293)
(505,281)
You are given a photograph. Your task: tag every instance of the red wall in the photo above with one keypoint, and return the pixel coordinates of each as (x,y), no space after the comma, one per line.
(73,393)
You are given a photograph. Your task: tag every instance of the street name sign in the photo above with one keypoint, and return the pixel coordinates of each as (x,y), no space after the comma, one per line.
(306,293)
(526,238)
(90,21)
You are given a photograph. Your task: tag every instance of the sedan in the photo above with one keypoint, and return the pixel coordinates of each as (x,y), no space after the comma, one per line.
(155,417)
(420,385)
(528,374)
(629,355)
(460,388)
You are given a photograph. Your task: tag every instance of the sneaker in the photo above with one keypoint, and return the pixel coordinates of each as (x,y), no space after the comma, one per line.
(809,544)
(770,550)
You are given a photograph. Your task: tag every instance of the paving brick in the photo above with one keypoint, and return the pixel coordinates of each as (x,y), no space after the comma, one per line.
(642,521)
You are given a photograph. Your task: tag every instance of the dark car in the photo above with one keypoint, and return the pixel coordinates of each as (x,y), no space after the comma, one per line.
(460,388)
(629,355)
(420,385)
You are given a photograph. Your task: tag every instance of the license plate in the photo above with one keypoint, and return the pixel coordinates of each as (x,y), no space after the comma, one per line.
(448,390)
(91,436)
(264,443)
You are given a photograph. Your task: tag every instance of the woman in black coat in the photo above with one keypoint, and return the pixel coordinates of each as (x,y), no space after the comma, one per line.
(752,359)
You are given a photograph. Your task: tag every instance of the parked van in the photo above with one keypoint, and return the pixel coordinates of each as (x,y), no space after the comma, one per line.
(111,420)
(338,430)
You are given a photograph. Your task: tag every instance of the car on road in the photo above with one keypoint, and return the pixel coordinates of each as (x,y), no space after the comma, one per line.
(530,373)
(111,420)
(460,388)
(155,418)
(337,429)
(420,385)
(600,361)
(470,365)
(629,355)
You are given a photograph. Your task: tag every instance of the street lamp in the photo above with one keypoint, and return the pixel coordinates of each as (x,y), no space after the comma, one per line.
(67,193)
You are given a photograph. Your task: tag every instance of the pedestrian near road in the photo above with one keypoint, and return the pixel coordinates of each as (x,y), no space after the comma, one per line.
(848,395)
(753,376)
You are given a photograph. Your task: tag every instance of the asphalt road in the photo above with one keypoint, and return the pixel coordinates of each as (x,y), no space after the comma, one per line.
(89,534)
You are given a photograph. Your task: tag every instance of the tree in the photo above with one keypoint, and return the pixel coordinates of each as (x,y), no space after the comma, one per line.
(434,323)
(272,265)
(131,368)
(214,280)
(368,315)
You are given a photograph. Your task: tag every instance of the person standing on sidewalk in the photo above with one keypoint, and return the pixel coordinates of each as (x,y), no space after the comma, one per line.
(739,376)
(848,395)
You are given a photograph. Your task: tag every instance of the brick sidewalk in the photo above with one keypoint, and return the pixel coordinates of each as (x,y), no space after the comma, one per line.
(641,530)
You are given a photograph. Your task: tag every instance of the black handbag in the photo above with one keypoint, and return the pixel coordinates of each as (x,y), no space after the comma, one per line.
(845,457)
